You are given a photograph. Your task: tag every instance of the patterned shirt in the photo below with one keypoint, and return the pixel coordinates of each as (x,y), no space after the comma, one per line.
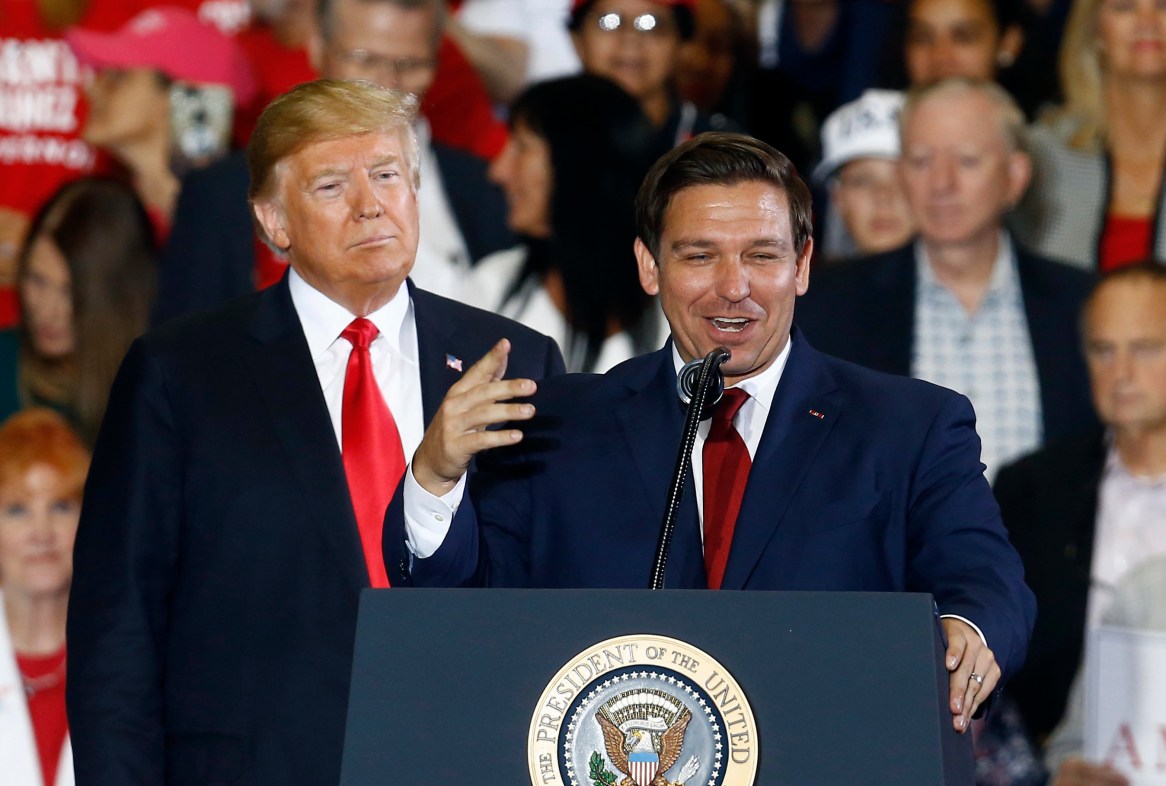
(986,355)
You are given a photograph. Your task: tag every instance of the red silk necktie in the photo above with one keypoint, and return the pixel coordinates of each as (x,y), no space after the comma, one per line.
(726,471)
(371,447)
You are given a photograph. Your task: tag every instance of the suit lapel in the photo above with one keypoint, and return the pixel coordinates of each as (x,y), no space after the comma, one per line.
(654,409)
(438,351)
(289,388)
(789,443)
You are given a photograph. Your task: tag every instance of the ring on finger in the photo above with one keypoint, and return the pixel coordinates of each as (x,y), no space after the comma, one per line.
(977,678)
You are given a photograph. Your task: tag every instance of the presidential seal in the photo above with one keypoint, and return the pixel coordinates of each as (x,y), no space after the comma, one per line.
(642,710)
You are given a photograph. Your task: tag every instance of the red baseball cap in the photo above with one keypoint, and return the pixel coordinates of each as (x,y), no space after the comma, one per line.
(175,42)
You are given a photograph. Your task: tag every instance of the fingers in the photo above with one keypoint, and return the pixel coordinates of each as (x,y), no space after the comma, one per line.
(480,399)
(974,672)
(491,367)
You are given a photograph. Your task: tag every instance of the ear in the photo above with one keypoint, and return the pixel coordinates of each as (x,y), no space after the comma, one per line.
(1019,176)
(802,272)
(649,270)
(270,217)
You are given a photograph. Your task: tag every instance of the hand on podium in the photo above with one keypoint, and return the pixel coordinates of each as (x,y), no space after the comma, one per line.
(974,672)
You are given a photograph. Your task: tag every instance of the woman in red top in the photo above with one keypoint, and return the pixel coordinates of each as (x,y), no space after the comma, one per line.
(42,472)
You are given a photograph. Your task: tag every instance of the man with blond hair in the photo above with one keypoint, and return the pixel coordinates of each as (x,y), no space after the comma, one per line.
(234,508)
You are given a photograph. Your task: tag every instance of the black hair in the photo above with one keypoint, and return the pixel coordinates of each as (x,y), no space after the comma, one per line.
(601,144)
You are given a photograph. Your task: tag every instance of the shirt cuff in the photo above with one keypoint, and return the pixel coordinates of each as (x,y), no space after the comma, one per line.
(427,518)
(975,627)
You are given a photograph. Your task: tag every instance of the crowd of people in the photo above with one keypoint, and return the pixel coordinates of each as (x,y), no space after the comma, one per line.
(984,212)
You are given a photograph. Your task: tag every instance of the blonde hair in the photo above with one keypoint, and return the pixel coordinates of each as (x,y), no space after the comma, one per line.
(1082,76)
(1008,114)
(321,111)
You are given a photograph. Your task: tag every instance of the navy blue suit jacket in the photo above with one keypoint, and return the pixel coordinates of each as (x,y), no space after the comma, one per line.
(209,257)
(218,564)
(864,311)
(884,492)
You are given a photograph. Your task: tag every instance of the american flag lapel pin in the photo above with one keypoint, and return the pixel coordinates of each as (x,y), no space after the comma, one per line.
(452,362)
(817,414)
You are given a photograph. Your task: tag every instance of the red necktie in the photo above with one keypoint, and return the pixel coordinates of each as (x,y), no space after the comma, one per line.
(726,471)
(371,446)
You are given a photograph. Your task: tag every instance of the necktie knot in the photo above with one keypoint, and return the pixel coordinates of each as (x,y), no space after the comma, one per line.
(731,403)
(360,333)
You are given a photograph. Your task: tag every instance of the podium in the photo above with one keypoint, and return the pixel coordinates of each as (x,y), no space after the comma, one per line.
(845,688)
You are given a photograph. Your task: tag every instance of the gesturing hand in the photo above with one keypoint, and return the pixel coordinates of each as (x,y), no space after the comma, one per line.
(458,430)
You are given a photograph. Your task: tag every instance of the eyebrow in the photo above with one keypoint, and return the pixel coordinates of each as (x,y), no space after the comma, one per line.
(699,243)
(335,170)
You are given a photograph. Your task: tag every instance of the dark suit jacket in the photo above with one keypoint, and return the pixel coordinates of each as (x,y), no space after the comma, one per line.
(218,563)
(1049,504)
(209,257)
(885,492)
(864,311)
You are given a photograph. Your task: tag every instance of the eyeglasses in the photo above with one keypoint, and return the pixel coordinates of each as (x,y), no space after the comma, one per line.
(642,23)
(403,68)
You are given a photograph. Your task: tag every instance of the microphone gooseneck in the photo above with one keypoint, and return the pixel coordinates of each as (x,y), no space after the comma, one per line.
(694,385)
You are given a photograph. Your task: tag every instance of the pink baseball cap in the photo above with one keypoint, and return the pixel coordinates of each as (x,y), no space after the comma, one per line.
(175,42)
(689,4)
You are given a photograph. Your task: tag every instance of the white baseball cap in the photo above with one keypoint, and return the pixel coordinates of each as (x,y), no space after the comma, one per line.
(867,127)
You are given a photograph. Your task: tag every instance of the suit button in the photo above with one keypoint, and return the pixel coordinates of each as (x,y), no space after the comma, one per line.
(403,566)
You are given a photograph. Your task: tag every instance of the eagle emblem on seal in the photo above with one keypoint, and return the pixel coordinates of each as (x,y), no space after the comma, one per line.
(643,734)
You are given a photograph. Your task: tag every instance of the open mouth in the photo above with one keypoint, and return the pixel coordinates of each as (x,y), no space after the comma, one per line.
(730,324)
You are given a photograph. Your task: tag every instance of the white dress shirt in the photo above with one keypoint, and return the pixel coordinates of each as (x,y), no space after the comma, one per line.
(395,366)
(1130,529)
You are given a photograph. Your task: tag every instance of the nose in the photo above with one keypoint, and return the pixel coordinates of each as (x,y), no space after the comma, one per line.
(732,280)
(943,173)
(501,166)
(366,202)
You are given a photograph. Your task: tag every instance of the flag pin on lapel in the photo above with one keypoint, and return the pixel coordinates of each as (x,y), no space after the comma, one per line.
(452,362)
(817,414)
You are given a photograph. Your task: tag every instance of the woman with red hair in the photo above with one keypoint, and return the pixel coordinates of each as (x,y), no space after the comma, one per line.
(42,471)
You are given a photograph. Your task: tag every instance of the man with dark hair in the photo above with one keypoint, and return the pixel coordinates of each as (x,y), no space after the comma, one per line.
(212,255)
(233,511)
(814,474)
(1085,511)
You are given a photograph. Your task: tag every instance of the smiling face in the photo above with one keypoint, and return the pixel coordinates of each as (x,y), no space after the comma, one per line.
(523,171)
(1132,38)
(947,38)
(39,510)
(641,61)
(345,212)
(728,273)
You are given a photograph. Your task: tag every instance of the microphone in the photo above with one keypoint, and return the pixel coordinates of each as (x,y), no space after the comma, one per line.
(699,383)
(689,377)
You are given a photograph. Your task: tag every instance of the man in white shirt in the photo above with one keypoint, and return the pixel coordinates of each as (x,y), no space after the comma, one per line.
(1086,511)
(234,507)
